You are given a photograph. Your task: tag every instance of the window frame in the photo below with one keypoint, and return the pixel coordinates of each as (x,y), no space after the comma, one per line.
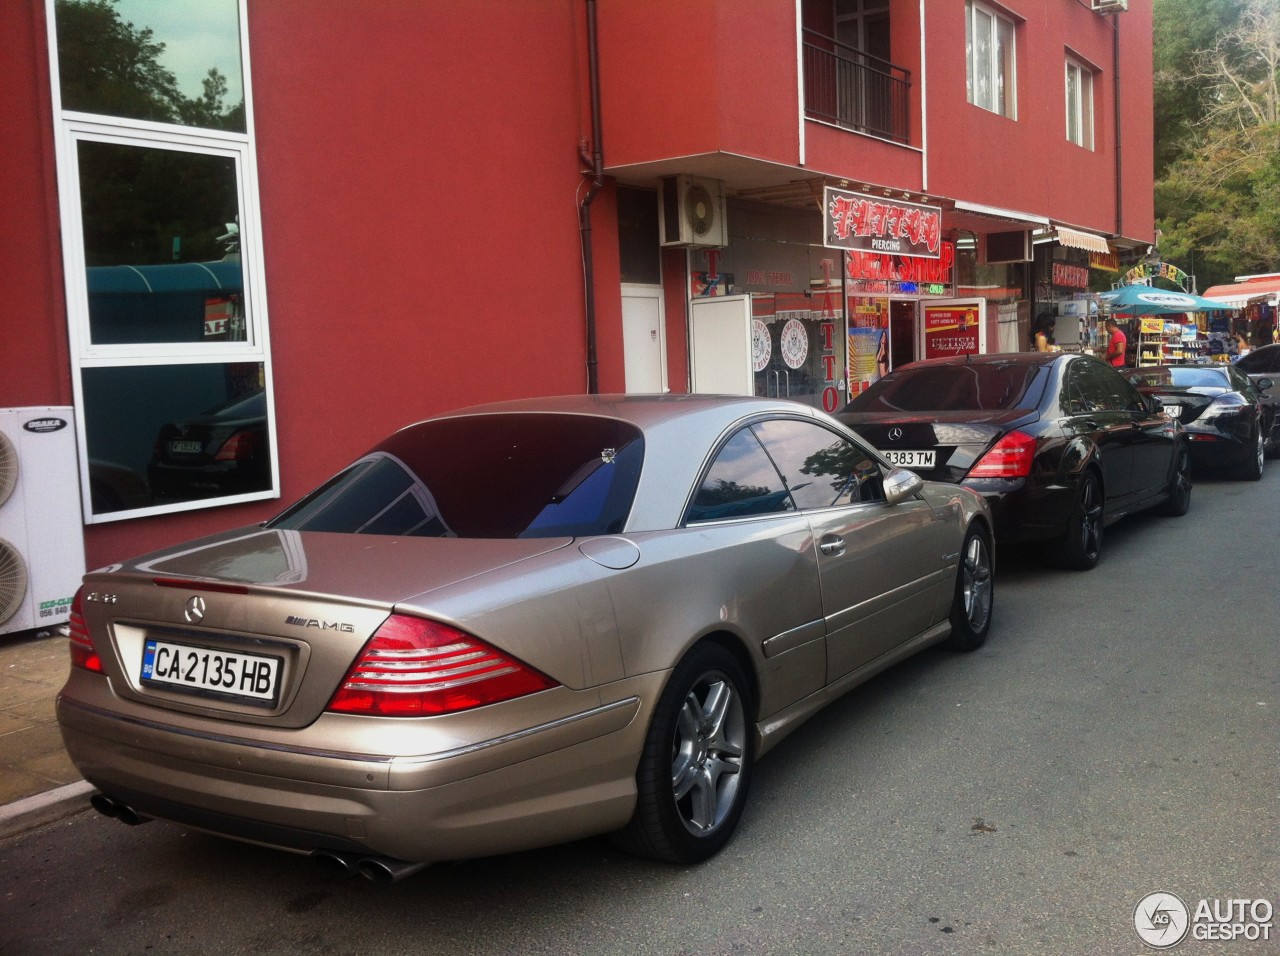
(1080,111)
(1005,105)
(70,129)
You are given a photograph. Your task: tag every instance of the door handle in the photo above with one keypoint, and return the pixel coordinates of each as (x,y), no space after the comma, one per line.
(831,544)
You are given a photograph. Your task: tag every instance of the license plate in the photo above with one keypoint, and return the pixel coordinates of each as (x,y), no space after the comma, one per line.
(1173,411)
(186,447)
(253,677)
(911,459)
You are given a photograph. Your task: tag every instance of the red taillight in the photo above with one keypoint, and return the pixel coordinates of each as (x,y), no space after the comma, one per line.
(417,668)
(83,653)
(1010,457)
(239,447)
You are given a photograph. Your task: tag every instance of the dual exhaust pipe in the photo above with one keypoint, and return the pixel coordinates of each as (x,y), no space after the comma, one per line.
(117,810)
(379,869)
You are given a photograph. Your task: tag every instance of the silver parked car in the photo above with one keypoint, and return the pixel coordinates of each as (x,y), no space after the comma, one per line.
(519,624)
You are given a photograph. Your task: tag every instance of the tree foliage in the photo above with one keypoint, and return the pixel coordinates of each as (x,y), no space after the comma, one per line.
(1218,190)
(107,65)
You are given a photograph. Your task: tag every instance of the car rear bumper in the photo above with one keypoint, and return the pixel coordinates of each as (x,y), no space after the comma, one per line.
(1023,510)
(559,781)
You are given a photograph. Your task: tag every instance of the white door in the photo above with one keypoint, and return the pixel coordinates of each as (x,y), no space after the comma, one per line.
(644,342)
(720,345)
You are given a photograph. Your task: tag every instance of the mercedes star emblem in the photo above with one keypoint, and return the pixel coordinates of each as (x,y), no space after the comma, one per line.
(895,434)
(195,609)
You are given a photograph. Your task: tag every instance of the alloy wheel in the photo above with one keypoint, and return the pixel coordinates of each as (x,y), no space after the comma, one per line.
(707,753)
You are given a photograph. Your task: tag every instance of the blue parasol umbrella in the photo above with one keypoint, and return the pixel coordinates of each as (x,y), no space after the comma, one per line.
(1145,300)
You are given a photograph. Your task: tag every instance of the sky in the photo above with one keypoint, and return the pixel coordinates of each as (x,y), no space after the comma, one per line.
(198,35)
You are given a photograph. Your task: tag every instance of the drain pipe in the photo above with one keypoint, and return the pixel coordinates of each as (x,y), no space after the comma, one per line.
(1115,69)
(595,162)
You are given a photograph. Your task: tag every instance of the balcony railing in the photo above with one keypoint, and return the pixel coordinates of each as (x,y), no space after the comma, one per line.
(854,89)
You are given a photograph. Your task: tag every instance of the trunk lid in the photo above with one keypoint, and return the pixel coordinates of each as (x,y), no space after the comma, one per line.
(260,626)
(957,439)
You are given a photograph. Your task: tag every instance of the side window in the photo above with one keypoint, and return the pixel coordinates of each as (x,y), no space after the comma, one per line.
(742,481)
(1096,388)
(821,469)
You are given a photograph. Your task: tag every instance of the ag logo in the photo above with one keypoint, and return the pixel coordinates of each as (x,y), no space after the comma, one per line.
(1161,920)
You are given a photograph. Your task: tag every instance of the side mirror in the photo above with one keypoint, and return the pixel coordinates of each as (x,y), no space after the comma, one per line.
(901,484)
(1153,404)
(1262,384)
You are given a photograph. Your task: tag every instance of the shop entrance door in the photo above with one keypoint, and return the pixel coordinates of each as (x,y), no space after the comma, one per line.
(798,351)
(644,345)
(902,332)
(720,345)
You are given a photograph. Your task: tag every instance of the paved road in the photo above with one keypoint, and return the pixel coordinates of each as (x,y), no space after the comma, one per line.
(1117,736)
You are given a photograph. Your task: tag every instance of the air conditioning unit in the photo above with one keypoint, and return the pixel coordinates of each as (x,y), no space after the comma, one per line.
(41,534)
(1109,6)
(692,212)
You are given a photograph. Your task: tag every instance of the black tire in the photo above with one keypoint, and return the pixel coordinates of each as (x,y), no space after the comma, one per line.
(695,769)
(1251,470)
(1179,500)
(1081,546)
(975,593)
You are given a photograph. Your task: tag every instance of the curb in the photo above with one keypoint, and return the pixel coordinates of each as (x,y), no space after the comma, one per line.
(31,812)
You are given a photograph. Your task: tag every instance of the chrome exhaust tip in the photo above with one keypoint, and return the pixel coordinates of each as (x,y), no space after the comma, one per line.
(384,870)
(117,810)
(335,863)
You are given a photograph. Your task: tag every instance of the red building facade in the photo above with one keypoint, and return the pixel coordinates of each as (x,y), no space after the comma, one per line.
(415,209)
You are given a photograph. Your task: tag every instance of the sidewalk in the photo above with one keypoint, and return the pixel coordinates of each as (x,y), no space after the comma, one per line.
(37,780)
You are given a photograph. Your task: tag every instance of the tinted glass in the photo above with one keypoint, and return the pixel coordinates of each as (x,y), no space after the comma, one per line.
(169,61)
(1094,387)
(1200,377)
(162,433)
(821,469)
(485,476)
(1266,359)
(985,386)
(161,245)
(741,481)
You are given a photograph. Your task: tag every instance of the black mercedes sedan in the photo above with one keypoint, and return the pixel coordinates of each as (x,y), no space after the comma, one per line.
(1059,444)
(1229,418)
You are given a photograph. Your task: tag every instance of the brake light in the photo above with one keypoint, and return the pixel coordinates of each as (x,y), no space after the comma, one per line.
(413,667)
(239,447)
(83,653)
(1010,457)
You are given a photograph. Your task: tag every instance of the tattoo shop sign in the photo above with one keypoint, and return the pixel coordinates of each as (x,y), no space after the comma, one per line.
(864,223)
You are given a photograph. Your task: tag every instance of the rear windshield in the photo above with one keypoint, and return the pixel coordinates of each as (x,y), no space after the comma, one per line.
(988,386)
(1200,377)
(484,476)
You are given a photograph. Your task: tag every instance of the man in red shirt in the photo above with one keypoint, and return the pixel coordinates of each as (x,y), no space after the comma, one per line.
(1116,343)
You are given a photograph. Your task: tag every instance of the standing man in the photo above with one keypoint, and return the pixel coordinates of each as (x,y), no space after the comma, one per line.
(1116,343)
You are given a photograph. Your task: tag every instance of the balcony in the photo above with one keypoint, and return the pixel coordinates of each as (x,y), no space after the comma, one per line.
(854,89)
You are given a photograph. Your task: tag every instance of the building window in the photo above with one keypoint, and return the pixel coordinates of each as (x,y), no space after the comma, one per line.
(990,59)
(162,253)
(1079,104)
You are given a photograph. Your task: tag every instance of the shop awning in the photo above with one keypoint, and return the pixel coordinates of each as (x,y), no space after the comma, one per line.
(176,277)
(1078,239)
(1239,294)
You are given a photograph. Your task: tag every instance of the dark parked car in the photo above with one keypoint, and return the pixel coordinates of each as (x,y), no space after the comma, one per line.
(1228,419)
(1262,363)
(220,452)
(1060,445)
